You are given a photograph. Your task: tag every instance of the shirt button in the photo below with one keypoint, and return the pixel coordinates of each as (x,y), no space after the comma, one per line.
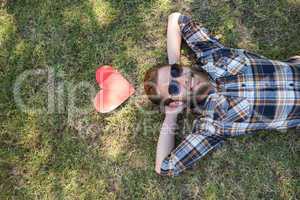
(291,84)
(243,85)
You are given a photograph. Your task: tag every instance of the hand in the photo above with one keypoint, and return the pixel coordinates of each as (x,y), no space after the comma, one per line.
(174,108)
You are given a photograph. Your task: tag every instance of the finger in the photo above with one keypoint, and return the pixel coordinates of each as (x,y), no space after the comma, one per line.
(177,103)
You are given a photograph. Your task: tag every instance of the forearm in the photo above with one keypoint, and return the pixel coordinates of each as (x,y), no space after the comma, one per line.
(166,140)
(173,38)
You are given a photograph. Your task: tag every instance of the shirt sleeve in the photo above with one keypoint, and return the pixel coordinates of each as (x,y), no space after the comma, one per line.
(197,37)
(190,150)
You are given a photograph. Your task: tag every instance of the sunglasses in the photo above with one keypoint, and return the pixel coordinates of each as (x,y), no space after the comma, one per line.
(174,86)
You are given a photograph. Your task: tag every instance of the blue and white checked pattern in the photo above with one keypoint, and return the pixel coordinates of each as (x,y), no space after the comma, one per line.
(250,93)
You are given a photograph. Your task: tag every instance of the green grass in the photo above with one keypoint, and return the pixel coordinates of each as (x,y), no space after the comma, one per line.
(61,153)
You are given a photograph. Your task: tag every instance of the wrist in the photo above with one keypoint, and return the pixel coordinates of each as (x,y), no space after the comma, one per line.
(171,116)
(169,124)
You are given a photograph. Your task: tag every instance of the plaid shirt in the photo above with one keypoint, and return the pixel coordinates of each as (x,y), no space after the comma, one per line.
(250,93)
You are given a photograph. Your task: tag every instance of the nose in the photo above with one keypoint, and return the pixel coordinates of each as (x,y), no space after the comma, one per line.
(184,82)
(181,80)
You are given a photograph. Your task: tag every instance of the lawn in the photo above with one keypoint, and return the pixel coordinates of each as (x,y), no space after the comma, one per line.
(53,145)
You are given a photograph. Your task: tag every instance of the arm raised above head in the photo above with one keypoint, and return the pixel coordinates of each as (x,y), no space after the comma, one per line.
(173,38)
(197,37)
(166,139)
(190,150)
(171,160)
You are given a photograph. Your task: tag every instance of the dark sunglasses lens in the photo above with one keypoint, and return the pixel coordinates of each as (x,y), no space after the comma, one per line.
(176,70)
(174,88)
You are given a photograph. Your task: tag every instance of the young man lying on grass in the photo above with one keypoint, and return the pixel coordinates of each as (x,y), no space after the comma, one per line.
(232,92)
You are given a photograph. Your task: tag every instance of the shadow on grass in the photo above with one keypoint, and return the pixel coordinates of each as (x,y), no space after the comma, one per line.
(45,157)
(73,39)
(270,28)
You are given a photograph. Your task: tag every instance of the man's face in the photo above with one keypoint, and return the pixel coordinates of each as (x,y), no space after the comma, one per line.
(190,84)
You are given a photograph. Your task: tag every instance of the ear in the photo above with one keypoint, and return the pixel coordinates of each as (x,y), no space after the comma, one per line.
(176,103)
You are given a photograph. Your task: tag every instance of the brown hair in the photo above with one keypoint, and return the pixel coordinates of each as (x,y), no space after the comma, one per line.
(150,85)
